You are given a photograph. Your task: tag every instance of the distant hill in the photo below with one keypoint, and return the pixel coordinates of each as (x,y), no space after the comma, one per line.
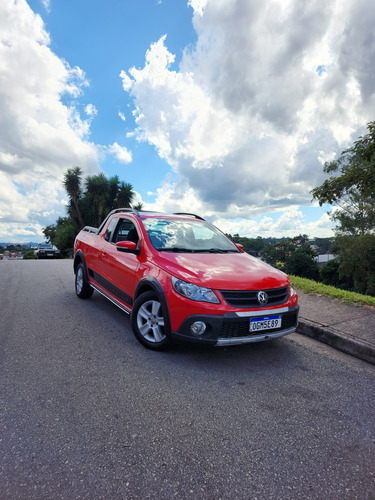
(23,245)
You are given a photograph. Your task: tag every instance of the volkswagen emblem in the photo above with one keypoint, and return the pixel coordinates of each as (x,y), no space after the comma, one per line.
(262,298)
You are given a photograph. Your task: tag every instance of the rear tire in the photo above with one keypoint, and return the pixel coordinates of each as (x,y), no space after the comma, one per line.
(83,288)
(150,323)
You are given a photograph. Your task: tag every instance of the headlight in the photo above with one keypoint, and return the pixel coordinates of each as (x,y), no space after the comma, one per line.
(194,292)
(292,291)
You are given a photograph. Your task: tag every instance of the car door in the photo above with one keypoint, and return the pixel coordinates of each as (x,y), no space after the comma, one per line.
(120,268)
(96,253)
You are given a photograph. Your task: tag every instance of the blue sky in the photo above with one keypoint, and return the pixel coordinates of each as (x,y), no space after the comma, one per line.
(102,38)
(227,108)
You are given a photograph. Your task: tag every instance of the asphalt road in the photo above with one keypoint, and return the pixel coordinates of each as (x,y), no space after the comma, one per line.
(86,412)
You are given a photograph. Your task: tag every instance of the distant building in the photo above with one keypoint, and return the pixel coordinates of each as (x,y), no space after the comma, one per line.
(322,259)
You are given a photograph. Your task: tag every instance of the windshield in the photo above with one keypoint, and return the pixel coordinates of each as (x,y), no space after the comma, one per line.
(181,235)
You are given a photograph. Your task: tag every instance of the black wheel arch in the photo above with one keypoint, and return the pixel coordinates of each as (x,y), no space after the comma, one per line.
(151,284)
(78,259)
(83,288)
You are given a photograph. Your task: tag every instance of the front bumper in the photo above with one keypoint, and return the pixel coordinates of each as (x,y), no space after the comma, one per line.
(234,328)
(48,255)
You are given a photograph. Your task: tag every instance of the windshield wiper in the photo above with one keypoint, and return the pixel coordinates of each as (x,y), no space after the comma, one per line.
(195,250)
(215,250)
(176,249)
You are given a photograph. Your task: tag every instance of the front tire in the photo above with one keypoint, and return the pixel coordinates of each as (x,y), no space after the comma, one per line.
(83,288)
(150,322)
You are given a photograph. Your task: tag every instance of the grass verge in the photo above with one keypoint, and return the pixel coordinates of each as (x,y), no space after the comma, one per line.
(312,287)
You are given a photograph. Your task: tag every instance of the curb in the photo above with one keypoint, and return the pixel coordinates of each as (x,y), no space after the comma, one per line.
(341,341)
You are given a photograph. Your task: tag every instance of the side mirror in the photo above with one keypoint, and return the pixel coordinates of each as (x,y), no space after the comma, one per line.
(240,247)
(127,246)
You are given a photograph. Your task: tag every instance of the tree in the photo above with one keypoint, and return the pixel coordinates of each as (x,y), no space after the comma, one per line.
(65,234)
(114,189)
(103,195)
(352,186)
(356,255)
(293,256)
(50,232)
(329,273)
(72,184)
(98,191)
(324,245)
(138,206)
(62,234)
(88,206)
(250,245)
(302,262)
(125,195)
(277,254)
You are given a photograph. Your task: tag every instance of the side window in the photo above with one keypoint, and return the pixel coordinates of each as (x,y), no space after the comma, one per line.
(126,231)
(111,228)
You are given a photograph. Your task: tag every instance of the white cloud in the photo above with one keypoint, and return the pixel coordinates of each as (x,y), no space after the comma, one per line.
(268,93)
(91,110)
(289,223)
(122,116)
(41,137)
(248,119)
(122,154)
(198,6)
(126,81)
(47,5)
(286,223)
(281,225)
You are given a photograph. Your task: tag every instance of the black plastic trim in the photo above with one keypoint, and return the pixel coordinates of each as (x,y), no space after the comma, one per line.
(79,256)
(156,286)
(217,325)
(113,289)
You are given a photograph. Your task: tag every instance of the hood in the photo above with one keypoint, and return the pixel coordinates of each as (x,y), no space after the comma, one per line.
(228,271)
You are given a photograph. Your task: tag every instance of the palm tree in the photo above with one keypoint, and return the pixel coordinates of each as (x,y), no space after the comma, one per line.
(97,187)
(72,184)
(125,195)
(138,206)
(114,189)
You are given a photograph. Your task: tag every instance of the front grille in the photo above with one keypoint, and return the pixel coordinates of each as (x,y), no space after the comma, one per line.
(241,328)
(248,298)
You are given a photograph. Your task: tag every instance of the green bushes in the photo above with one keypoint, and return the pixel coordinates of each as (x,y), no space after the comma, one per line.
(293,256)
(356,256)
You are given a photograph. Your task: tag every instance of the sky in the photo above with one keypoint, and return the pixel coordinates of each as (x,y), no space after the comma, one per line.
(224,108)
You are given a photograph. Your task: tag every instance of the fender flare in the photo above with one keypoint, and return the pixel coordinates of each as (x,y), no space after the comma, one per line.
(152,283)
(79,257)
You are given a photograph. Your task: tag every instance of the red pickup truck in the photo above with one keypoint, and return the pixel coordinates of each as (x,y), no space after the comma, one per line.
(179,277)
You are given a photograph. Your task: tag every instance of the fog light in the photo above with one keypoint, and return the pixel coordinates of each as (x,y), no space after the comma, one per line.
(198,328)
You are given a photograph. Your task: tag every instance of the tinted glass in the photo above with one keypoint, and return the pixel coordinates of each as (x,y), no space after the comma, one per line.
(111,227)
(126,231)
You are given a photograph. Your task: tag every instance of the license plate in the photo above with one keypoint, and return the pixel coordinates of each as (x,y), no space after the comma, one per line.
(49,254)
(265,323)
